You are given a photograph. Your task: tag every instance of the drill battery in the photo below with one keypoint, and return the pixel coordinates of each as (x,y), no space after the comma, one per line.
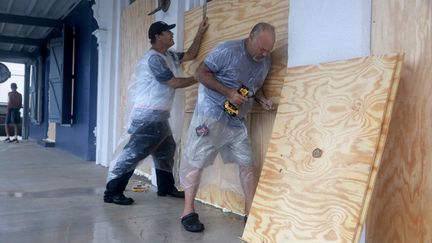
(231,109)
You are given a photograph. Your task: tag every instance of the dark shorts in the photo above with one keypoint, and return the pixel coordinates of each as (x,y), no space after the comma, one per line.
(13,116)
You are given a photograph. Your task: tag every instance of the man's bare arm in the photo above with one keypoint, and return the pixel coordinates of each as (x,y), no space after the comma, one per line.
(193,50)
(177,83)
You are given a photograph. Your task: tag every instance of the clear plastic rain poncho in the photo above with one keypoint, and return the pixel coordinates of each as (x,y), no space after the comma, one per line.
(149,105)
(212,129)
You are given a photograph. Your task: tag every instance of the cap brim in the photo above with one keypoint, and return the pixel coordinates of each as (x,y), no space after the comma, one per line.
(171,26)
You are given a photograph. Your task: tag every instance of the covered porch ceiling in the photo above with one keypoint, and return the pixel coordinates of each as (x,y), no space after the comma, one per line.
(25,25)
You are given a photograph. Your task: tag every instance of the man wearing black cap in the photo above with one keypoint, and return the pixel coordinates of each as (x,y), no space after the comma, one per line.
(151,94)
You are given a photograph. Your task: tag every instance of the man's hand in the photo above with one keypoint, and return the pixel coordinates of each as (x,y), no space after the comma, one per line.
(266,104)
(235,98)
(203,27)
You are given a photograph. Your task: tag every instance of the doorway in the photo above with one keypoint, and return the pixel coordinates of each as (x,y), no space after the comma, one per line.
(17,76)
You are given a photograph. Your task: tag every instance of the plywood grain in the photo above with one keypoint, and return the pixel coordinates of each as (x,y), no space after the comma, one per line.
(381,146)
(337,109)
(134,43)
(234,20)
(401,208)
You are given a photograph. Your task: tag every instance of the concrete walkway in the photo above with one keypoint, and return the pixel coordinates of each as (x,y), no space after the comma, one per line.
(48,195)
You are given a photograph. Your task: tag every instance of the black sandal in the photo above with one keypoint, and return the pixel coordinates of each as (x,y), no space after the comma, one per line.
(192,223)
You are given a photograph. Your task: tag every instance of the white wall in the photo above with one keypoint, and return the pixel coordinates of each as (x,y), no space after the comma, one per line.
(321,31)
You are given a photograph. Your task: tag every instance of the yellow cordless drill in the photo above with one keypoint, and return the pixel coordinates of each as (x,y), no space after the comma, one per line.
(231,109)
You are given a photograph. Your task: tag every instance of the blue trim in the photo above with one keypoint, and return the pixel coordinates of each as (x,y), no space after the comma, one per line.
(26,20)
(21,40)
(15,56)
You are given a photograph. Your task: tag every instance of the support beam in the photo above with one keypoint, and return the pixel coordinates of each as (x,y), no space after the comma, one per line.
(26,119)
(21,40)
(18,57)
(26,20)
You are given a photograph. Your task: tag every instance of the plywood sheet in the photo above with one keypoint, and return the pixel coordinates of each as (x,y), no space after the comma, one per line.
(322,153)
(381,145)
(401,208)
(231,20)
(234,20)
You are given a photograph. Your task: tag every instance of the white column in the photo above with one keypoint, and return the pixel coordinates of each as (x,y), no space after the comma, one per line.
(103,121)
(107,14)
(115,70)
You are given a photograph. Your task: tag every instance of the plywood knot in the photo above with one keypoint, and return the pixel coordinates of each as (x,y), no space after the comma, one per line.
(317,153)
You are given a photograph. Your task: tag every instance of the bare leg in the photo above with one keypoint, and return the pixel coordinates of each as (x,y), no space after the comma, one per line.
(15,130)
(190,178)
(7,130)
(249,182)
(189,206)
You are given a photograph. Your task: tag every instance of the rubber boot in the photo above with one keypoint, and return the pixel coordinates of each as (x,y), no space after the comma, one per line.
(165,184)
(115,188)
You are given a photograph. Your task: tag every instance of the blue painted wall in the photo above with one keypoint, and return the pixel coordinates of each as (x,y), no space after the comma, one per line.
(78,138)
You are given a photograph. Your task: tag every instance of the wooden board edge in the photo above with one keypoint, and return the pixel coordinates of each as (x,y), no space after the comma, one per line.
(381,145)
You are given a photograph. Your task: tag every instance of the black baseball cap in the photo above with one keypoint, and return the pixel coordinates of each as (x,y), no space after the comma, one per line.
(159,27)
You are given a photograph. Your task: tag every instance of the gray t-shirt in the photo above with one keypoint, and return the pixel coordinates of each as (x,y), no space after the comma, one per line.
(233,67)
(160,68)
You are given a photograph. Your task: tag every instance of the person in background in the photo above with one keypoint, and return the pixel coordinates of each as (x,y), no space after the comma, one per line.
(13,116)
